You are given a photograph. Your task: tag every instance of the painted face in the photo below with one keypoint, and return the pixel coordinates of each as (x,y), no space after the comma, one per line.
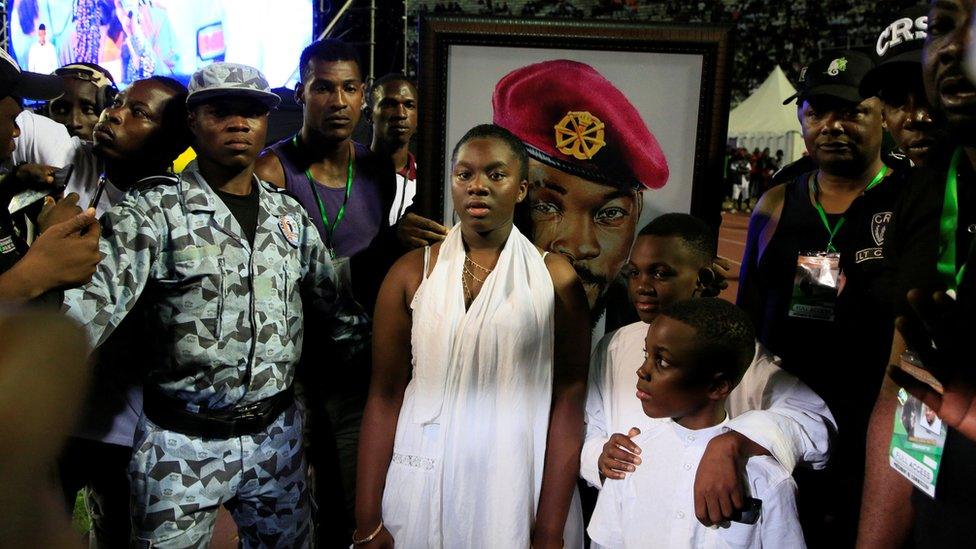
(666,384)
(908,117)
(591,224)
(133,123)
(77,109)
(332,97)
(842,137)
(946,86)
(395,112)
(485,184)
(9,109)
(229,131)
(661,270)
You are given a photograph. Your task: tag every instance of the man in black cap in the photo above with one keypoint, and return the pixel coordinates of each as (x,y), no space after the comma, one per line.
(813,250)
(897,80)
(66,252)
(931,242)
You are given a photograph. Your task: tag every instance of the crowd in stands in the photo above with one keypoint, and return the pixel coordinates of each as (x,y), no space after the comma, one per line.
(766,32)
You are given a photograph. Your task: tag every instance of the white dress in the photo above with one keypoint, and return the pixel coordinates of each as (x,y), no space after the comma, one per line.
(471,437)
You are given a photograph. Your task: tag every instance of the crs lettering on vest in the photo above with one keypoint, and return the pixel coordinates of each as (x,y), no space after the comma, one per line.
(901,31)
(879,223)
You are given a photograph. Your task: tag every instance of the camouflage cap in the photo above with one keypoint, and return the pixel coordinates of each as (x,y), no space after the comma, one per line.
(230,79)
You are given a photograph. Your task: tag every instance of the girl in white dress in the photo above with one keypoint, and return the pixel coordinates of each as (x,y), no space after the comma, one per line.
(474,422)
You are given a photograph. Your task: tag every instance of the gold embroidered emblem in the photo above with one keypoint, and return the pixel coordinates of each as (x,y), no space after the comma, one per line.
(580,135)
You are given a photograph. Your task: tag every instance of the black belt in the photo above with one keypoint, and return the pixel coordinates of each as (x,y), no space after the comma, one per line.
(171,414)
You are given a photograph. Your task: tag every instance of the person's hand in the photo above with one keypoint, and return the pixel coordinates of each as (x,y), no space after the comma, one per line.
(620,455)
(719,479)
(721,268)
(54,212)
(383,540)
(66,255)
(936,333)
(28,176)
(34,176)
(415,231)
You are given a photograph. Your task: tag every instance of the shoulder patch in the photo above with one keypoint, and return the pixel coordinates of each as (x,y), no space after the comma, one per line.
(290,228)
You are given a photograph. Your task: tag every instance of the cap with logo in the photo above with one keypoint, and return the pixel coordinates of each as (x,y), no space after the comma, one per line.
(572,118)
(26,85)
(898,51)
(230,80)
(836,76)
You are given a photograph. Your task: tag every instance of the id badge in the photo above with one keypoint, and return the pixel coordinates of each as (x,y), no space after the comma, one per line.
(26,198)
(815,286)
(343,276)
(918,436)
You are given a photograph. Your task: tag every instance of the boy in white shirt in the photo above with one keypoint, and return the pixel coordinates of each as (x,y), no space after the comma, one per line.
(771,411)
(696,352)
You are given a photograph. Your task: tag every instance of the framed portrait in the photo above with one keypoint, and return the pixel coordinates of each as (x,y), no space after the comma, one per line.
(622,122)
(675,75)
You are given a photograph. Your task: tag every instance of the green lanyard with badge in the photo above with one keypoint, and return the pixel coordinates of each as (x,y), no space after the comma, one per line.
(339,264)
(918,437)
(817,279)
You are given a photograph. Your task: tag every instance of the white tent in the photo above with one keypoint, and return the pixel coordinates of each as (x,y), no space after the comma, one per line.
(762,120)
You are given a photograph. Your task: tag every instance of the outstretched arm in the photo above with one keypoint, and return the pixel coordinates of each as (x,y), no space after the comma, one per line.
(776,410)
(773,413)
(565,439)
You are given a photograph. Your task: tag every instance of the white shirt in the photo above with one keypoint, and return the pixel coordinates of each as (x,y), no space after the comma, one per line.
(42,58)
(406,190)
(655,506)
(769,406)
(44,141)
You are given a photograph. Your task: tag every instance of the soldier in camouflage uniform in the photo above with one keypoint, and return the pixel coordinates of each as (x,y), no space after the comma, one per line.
(224,295)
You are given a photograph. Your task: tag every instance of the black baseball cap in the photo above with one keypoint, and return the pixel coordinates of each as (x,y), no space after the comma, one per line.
(26,85)
(837,76)
(898,51)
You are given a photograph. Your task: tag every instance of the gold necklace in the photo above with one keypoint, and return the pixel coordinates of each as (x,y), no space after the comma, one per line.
(473,262)
(468,294)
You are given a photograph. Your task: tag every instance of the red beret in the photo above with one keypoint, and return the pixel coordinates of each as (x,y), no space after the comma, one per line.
(572,118)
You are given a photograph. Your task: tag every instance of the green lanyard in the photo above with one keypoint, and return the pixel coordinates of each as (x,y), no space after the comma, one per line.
(948,224)
(832,231)
(330,228)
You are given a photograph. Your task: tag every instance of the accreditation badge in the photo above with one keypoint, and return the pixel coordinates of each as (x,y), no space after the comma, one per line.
(918,436)
(815,285)
(343,276)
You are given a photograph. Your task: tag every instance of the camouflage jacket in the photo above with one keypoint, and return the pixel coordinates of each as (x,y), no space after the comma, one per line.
(225,317)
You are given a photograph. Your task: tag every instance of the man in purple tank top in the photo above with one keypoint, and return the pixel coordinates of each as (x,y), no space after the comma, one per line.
(348,192)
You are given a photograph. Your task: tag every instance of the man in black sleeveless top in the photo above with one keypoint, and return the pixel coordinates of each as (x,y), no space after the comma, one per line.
(827,326)
(922,229)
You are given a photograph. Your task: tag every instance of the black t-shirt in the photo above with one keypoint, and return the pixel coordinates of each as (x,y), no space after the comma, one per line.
(842,360)
(245,210)
(912,250)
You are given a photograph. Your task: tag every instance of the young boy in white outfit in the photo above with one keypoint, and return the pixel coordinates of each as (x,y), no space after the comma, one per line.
(696,352)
